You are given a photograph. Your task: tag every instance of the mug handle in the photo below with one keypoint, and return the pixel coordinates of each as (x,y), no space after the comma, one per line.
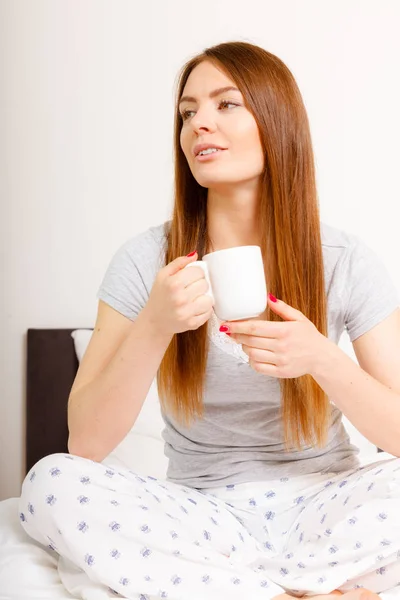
(203,265)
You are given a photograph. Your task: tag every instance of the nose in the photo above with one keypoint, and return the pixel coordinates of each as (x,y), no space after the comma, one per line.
(202,121)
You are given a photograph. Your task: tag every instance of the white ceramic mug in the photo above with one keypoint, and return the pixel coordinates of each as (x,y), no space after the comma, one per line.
(236,282)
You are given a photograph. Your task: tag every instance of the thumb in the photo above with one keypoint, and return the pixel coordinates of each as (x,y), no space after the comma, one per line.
(284,310)
(180,263)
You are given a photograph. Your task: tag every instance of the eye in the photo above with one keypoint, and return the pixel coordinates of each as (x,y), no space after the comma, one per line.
(223,104)
(226,103)
(185,114)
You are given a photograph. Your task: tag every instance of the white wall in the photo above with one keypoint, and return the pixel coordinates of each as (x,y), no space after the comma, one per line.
(86,99)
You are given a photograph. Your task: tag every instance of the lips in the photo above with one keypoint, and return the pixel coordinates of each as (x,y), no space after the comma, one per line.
(199,147)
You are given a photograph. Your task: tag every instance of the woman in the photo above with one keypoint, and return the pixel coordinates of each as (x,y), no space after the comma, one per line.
(259,501)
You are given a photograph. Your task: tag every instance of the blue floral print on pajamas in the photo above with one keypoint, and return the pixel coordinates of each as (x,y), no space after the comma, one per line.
(139,537)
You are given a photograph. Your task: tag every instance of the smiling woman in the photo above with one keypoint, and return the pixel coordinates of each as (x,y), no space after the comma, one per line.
(215,116)
(264,493)
(244,101)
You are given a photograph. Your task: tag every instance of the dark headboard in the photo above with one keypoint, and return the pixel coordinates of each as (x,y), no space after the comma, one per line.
(51,370)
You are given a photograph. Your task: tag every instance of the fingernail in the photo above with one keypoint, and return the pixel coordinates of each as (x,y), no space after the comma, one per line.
(272,298)
(224,329)
(192,253)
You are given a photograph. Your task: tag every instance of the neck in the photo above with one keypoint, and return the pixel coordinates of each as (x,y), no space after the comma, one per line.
(232,218)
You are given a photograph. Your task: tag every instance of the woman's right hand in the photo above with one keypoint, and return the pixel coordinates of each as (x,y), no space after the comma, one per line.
(177,301)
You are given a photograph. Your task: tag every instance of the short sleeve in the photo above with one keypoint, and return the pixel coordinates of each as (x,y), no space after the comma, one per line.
(130,275)
(370,293)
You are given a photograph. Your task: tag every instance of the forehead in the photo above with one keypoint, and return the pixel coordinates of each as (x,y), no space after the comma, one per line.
(204,78)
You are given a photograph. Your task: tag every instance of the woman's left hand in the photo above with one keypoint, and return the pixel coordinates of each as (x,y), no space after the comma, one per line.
(279,349)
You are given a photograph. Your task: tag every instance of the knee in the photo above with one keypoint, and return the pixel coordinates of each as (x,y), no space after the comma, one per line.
(40,503)
(47,475)
(45,466)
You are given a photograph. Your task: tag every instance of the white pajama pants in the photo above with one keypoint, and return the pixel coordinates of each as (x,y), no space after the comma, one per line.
(124,535)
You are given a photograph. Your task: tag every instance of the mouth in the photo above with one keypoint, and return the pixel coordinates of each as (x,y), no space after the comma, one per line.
(210,156)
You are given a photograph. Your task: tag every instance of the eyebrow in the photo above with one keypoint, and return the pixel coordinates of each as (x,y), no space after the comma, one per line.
(217,92)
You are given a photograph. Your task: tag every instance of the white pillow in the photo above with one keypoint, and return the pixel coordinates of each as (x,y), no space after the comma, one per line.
(81,341)
(142,449)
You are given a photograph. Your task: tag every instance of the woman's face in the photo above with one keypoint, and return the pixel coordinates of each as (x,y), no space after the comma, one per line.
(221,119)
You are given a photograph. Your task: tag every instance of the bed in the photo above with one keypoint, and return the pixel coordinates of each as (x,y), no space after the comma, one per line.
(27,569)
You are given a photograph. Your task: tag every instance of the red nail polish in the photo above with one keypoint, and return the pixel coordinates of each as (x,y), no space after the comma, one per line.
(272,298)
(224,329)
(191,254)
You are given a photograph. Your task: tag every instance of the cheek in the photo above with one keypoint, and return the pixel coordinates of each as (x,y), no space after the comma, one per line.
(247,142)
(184,143)
(247,134)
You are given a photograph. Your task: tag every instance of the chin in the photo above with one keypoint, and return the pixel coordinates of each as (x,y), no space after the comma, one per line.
(214,182)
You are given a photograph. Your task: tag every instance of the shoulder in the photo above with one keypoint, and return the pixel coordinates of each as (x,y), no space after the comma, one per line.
(358,281)
(131,272)
(337,240)
(352,252)
(340,248)
(143,253)
(140,257)
(145,245)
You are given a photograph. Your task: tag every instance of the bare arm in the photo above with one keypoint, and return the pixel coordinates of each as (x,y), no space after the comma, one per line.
(368,394)
(123,358)
(113,380)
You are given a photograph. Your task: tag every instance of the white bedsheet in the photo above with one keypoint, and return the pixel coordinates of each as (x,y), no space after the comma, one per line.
(28,571)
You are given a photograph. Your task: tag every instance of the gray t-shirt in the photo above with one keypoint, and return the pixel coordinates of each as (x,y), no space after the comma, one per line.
(240,438)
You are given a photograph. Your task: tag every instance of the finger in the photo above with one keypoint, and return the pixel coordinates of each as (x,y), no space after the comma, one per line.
(287,312)
(187,277)
(262,356)
(268,329)
(196,289)
(179,263)
(202,306)
(265,369)
(200,319)
(262,343)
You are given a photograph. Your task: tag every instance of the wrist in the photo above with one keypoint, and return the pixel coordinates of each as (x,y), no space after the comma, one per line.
(325,359)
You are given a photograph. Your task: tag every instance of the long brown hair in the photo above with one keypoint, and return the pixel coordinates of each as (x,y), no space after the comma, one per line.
(290,234)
